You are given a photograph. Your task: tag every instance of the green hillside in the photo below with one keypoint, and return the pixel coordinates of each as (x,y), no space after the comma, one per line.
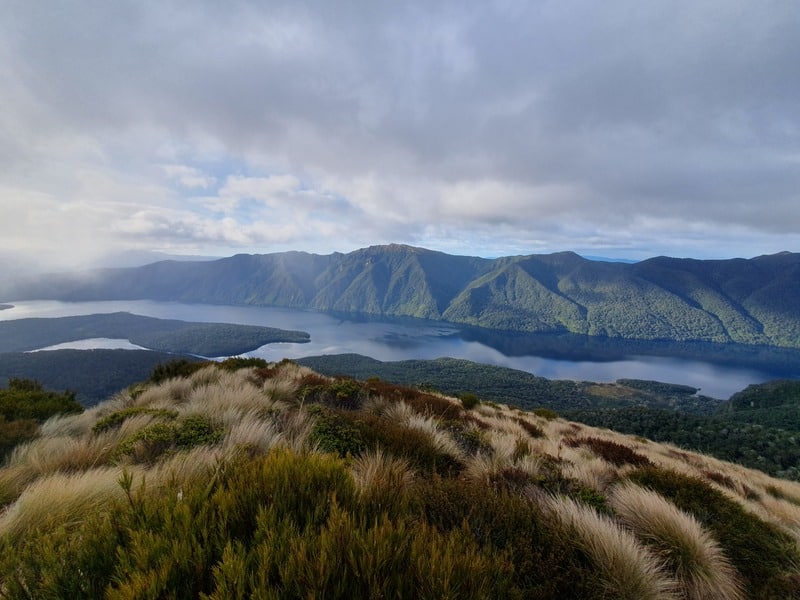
(253,480)
(753,302)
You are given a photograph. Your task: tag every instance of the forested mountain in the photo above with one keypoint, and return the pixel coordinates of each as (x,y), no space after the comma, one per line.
(746,301)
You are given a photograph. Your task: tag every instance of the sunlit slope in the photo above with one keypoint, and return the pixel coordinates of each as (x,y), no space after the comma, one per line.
(755,301)
(252,480)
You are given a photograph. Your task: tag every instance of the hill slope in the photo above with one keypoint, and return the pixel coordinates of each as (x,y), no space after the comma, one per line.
(754,301)
(272,481)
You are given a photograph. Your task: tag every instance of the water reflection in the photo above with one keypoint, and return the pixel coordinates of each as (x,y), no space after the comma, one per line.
(718,370)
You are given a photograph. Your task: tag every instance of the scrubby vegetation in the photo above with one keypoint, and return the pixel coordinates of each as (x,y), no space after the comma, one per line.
(255,480)
(24,404)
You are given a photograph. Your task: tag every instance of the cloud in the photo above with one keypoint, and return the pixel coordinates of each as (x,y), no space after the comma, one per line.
(484,128)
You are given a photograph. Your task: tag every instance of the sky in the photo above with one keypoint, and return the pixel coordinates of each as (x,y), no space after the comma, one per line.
(622,129)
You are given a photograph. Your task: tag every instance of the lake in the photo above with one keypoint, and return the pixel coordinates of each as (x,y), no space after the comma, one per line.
(717,370)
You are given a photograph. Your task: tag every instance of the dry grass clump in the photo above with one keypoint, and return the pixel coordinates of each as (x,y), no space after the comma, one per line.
(626,569)
(693,554)
(594,473)
(251,431)
(375,469)
(295,427)
(280,390)
(217,401)
(182,468)
(398,412)
(208,375)
(74,425)
(60,499)
(46,455)
(439,438)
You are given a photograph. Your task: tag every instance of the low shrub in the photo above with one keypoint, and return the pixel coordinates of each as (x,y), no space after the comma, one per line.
(545,413)
(180,367)
(469,400)
(152,441)
(333,431)
(117,417)
(617,454)
(531,429)
(234,363)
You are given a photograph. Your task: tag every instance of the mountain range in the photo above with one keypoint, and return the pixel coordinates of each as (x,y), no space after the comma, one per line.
(741,301)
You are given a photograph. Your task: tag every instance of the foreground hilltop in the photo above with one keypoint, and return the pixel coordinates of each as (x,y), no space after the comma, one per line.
(245,479)
(753,301)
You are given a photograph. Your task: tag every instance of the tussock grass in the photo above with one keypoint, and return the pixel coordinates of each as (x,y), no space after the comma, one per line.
(594,473)
(61,499)
(397,411)
(182,468)
(383,481)
(410,463)
(626,568)
(250,431)
(279,390)
(295,427)
(217,401)
(80,424)
(439,438)
(208,375)
(695,557)
(47,455)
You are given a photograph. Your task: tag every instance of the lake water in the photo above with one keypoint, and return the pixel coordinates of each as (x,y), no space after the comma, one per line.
(554,357)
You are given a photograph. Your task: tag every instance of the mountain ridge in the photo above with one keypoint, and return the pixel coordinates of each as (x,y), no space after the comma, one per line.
(742,301)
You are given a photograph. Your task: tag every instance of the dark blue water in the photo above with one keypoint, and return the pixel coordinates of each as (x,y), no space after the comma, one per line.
(718,371)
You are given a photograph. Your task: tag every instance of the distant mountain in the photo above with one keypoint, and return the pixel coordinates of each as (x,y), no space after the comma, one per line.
(746,301)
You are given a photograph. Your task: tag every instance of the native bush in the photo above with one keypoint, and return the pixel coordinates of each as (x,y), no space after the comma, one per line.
(116,418)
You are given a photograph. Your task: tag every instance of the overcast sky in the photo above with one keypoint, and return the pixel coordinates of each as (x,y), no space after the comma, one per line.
(619,129)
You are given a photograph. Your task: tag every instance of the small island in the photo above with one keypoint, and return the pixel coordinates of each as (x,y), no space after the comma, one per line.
(6,306)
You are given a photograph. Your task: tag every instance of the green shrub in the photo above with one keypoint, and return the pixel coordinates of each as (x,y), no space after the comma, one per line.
(27,399)
(15,432)
(469,400)
(545,564)
(118,417)
(180,367)
(545,413)
(152,441)
(334,432)
(234,363)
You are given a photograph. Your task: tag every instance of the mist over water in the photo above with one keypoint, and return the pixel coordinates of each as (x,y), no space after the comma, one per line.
(554,357)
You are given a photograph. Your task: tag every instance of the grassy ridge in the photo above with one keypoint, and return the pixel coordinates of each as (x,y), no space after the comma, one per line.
(247,479)
(764,436)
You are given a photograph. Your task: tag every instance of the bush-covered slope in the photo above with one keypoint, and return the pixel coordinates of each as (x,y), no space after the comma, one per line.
(772,404)
(245,480)
(734,301)
(93,375)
